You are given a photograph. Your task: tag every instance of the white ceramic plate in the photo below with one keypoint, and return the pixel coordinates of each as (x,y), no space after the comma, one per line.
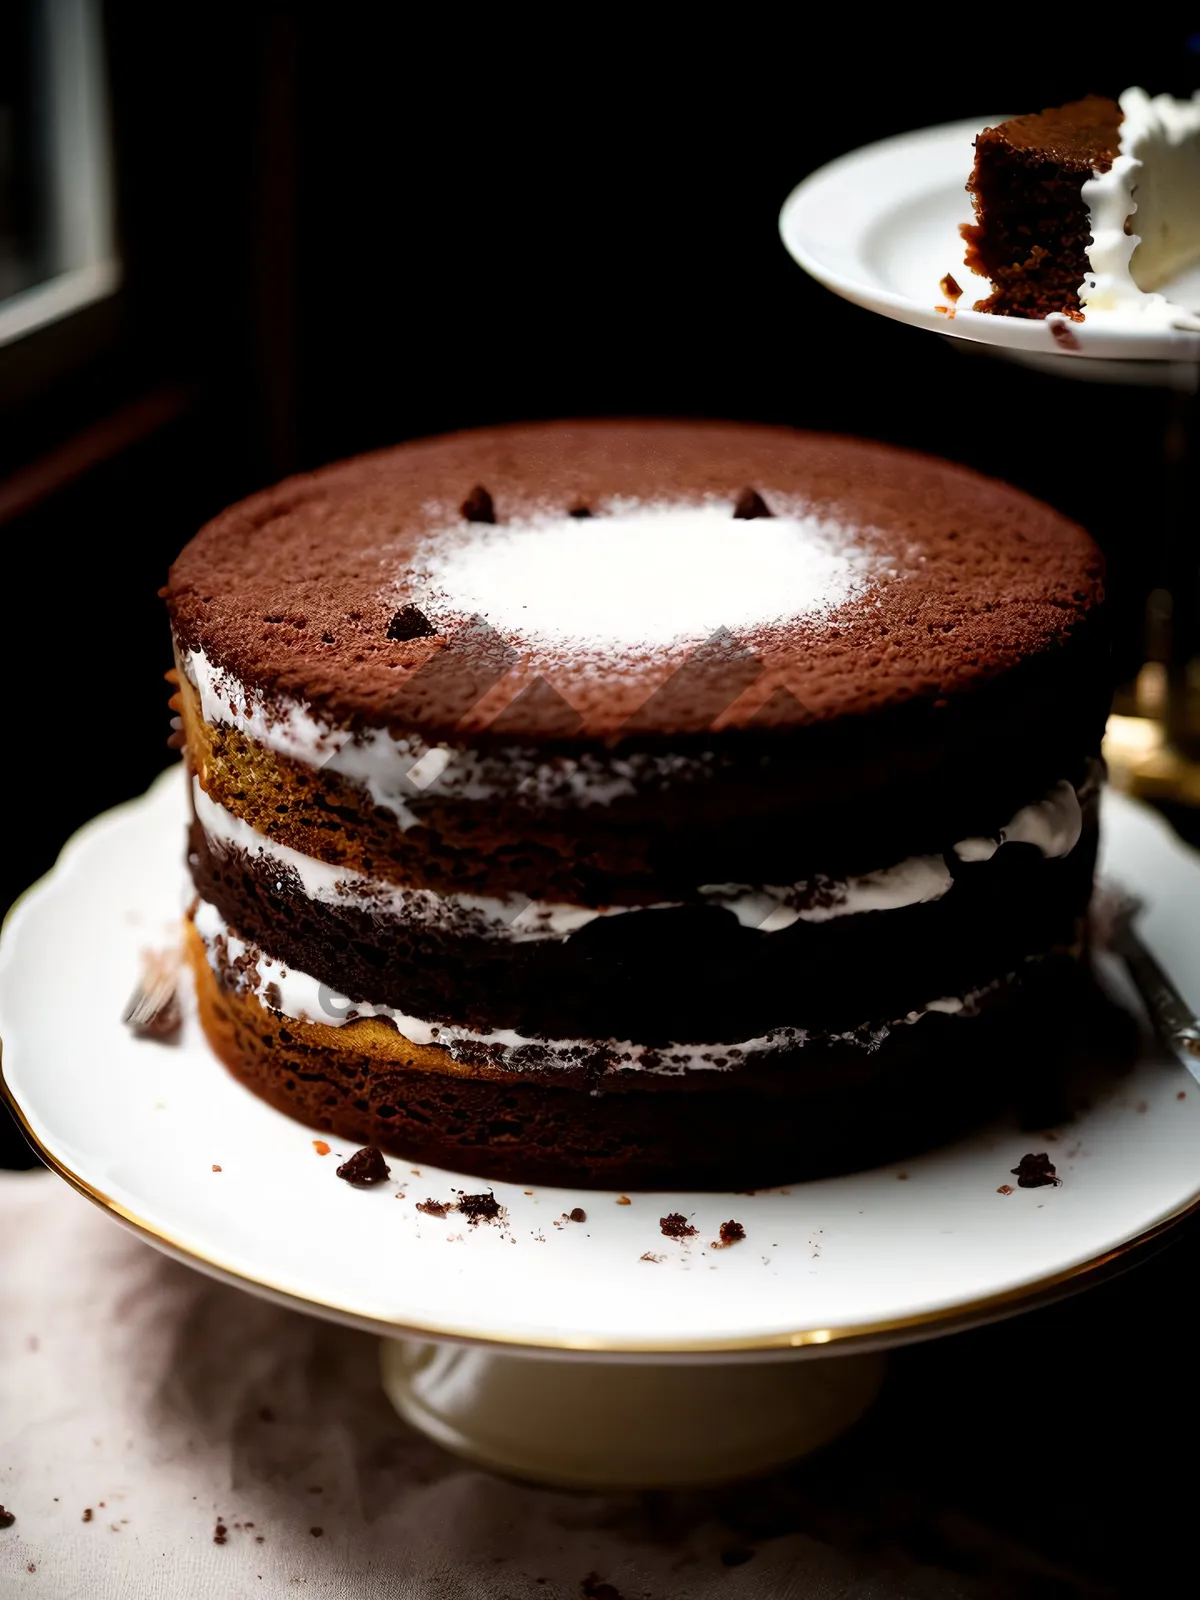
(140,1126)
(880,227)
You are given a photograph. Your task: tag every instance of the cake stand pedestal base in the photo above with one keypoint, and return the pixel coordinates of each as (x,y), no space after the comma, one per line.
(580,1424)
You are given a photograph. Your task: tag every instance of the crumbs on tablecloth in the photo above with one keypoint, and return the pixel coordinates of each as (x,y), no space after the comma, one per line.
(593,1587)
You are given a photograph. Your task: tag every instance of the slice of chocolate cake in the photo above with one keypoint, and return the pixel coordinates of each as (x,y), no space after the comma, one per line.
(735,830)
(1091,206)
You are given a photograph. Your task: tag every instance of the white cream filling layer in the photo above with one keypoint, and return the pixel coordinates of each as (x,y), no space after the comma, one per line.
(302,998)
(1052,824)
(396,771)
(1154,184)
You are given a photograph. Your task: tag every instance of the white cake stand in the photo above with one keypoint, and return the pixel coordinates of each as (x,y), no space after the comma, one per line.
(595,1352)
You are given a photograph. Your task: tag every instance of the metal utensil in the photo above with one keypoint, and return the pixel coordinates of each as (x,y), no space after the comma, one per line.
(1175,1023)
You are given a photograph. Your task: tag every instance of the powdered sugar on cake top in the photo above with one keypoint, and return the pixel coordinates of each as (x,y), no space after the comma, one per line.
(640,575)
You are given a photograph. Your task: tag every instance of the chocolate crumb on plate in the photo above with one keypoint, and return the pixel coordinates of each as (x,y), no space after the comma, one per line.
(410,622)
(624,1200)
(87,1514)
(578,1214)
(580,512)
(648,1255)
(676,1226)
(153,1011)
(950,288)
(729,1233)
(220,1533)
(1036,1172)
(479,1208)
(433,1208)
(478,506)
(7,1518)
(316,1532)
(1005,1188)
(364,1168)
(751,506)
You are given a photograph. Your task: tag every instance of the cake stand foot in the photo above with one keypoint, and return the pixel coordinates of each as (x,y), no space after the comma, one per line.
(584,1424)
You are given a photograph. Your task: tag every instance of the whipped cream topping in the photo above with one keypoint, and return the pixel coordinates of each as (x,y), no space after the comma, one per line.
(1154,186)
(302,998)
(643,575)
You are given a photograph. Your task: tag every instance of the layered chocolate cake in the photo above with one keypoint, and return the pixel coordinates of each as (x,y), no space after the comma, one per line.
(1091,206)
(638,803)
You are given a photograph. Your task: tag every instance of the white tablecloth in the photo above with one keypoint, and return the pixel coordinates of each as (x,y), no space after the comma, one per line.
(142,1404)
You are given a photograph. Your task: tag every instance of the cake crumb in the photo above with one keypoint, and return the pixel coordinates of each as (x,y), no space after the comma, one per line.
(648,1255)
(676,1226)
(320,1147)
(478,506)
(433,1208)
(7,1517)
(902,1177)
(1061,333)
(593,1587)
(624,1200)
(410,622)
(578,1214)
(87,1514)
(479,1208)
(751,507)
(220,1533)
(365,1168)
(316,1532)
(216,1168)
(950,288)
(1036,1172)
(729,1233)
(1005,1188)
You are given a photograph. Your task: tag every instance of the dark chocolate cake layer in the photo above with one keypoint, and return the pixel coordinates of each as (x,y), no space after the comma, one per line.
(1032,228)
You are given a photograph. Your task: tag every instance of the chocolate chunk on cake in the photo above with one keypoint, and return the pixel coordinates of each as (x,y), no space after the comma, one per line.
(677,846)
(1090,206)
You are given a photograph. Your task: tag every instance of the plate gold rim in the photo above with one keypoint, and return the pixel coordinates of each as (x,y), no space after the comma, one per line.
(847,1337)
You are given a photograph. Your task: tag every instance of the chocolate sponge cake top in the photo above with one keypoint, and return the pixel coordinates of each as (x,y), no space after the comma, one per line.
(542,582)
